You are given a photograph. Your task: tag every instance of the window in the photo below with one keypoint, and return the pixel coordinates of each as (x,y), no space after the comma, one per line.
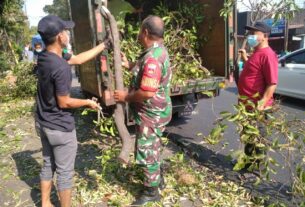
(297,58)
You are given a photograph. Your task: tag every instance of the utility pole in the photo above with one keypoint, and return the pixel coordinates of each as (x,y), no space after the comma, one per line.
(286,35)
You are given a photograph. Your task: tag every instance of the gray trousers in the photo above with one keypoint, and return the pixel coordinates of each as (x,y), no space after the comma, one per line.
(59,152)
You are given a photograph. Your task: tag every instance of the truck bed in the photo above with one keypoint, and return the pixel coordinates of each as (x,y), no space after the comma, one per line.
(196,86)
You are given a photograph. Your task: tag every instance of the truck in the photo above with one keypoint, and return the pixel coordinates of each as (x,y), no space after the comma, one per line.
(97,79)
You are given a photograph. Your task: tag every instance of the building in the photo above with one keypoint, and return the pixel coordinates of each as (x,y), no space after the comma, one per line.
(296,31)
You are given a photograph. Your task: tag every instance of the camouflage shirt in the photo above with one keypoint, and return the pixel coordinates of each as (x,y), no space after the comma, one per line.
(153,73)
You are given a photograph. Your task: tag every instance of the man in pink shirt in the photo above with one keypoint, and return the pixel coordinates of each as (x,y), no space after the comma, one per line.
(260,73)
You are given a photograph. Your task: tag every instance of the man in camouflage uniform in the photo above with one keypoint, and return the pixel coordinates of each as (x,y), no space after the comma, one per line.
(149,98)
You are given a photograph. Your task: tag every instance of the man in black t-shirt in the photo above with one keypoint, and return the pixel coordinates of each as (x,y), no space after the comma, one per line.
(54,122)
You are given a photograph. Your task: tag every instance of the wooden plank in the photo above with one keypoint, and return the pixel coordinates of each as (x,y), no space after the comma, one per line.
(213,27)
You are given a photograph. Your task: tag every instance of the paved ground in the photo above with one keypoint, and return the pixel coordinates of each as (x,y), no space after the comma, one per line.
(184,132)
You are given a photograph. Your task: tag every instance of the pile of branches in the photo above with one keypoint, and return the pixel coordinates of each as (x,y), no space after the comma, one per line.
(181,39)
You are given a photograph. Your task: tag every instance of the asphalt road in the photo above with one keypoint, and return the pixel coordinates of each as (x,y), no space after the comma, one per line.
(184,131)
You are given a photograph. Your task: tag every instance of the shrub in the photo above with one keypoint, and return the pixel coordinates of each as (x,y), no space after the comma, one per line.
(19,83)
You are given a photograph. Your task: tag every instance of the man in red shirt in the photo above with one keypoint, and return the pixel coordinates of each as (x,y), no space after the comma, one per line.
(260,73)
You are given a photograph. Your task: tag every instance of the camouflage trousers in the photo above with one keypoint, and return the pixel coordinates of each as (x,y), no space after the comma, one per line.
(148,150)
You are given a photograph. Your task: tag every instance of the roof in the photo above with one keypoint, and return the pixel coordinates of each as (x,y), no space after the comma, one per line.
(298,18)
(297,23)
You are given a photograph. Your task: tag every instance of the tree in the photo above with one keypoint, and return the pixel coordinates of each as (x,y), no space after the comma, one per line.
(260,10)
(58,8)
(13,32)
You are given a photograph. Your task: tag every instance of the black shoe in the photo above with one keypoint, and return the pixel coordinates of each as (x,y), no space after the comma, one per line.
(149,194)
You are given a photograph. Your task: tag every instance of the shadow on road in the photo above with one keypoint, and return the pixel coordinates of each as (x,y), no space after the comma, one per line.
(28,171)
(222,166)
(291,102)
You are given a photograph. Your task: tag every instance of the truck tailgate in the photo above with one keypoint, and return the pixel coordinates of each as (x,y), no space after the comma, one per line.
(195,86)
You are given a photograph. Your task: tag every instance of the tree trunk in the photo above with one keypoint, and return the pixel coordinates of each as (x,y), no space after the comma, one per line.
(119,113)
(11,47)
(286,37)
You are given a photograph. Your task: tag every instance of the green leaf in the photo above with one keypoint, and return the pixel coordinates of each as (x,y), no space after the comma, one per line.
(239,165)
(243,98)
(102,128)
(216,131)
(208,93)
(234,118)
(258,181)
(85,112)
(245,138)
(260,145)
(257,95)
(225,114)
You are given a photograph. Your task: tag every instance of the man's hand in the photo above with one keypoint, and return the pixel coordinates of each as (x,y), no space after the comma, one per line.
(268,94)
(125,62)
(243,54)
(120,96)
(107,43)
(261,107)
(92,104)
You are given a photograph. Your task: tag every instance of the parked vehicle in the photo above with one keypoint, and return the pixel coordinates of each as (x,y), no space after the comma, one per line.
(218,54)
(292,75)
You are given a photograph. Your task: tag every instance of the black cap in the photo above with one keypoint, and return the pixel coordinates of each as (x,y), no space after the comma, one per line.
(50,26)
(259,26)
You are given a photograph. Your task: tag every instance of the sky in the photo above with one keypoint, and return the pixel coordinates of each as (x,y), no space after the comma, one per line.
(34,10)
(241,7)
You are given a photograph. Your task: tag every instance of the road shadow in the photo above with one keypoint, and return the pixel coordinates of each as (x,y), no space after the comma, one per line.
(178,121)
(291,102)
(28,171)
(277,192)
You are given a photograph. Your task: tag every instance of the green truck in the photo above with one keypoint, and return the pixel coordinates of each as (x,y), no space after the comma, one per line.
(97,79)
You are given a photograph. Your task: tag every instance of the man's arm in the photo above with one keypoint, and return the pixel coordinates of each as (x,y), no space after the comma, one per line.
(66,102)
(137,96)
(267,96)
(86,56)
(270,74)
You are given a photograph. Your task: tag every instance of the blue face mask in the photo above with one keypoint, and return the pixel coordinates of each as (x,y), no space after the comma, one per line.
(252,40)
